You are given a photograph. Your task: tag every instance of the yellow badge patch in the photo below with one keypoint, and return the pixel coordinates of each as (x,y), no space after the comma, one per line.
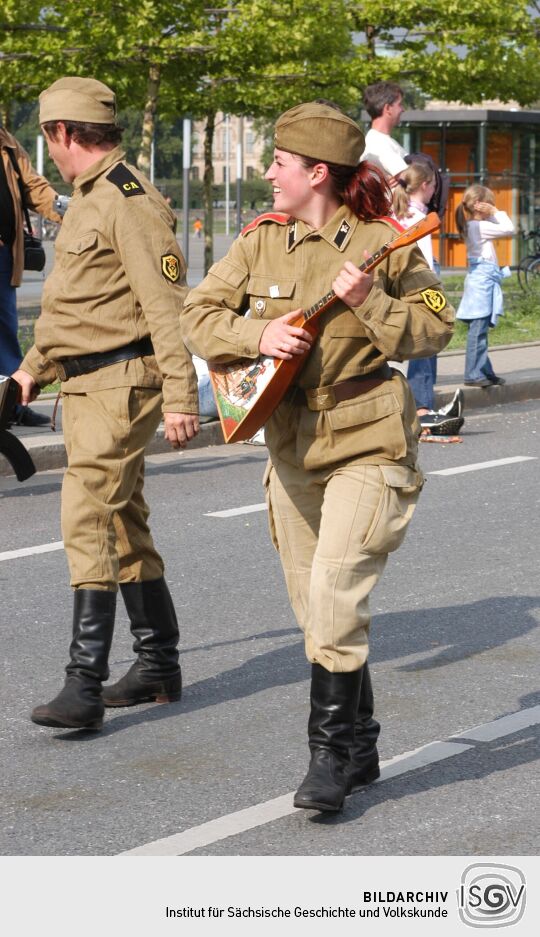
(434,300)
(170,267)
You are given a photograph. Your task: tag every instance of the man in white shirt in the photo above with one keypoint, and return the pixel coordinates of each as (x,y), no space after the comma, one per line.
(384,103)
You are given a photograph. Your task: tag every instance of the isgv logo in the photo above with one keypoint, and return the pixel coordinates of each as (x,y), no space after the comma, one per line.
(491,895)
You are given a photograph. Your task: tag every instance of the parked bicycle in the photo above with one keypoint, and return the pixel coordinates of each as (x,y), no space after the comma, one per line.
(528,270)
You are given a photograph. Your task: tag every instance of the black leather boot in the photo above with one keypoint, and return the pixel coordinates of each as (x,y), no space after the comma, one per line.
(79,704)
(334,704)
(155,675)
(363,767)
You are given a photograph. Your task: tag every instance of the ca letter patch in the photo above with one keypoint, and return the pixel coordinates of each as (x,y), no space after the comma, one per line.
(170,267)
(434,300)
(124,180)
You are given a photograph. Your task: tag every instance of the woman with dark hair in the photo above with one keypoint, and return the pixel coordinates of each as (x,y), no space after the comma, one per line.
(342,481)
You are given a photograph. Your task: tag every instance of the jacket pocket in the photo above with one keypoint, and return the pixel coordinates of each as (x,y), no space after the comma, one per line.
(362,411)
(344,324)
(264,286)
(367,428)
(83,243)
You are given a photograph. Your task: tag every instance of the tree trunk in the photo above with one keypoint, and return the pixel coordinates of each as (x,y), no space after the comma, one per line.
(149,119)
(208,199)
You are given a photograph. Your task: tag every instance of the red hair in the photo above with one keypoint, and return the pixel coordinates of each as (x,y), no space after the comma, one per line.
(362,188)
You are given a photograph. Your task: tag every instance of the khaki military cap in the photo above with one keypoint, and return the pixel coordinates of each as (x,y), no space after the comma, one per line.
(82,99)
(320,132)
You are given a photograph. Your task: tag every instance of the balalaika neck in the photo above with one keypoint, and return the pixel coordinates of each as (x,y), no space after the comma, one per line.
(330,298)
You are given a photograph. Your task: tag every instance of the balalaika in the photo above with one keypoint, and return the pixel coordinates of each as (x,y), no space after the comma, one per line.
(248,391)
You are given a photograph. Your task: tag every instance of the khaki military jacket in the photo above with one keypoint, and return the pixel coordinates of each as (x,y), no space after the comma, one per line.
(39,196)
(118,276)
(278,266)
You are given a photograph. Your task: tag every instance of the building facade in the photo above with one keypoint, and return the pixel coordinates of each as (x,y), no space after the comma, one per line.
(229,131)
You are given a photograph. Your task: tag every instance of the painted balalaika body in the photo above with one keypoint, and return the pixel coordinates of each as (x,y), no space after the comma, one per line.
(248,390)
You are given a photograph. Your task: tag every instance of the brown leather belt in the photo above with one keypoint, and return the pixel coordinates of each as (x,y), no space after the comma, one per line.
(325,398)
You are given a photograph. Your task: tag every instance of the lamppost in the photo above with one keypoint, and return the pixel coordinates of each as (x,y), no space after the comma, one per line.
(186,162)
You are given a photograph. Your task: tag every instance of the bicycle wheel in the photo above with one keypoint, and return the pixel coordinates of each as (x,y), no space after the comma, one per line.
(532,277)
(522,270)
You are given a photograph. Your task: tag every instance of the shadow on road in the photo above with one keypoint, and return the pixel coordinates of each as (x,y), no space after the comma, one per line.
(463,630)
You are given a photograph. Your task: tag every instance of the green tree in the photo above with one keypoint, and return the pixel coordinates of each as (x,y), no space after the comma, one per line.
(456,50)
(169,58)
(262,57)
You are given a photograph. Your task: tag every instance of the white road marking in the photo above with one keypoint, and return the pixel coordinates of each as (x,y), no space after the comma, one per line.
(179,844)
(232,512)
(476,466)
(505,726)
(29,551)
(427,755)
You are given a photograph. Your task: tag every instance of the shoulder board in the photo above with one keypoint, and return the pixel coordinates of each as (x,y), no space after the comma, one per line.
(392,222)
(268,216)
(123,179)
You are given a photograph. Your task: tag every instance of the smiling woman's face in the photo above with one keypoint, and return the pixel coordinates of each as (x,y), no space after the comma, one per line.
(291,183)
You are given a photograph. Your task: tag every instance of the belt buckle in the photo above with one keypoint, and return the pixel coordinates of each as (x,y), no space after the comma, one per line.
(321,398)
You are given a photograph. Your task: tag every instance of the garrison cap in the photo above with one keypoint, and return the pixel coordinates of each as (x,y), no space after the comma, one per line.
(82,99)
(320,132)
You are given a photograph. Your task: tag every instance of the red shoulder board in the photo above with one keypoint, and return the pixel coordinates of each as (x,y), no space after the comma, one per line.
(392,221)
(268,216)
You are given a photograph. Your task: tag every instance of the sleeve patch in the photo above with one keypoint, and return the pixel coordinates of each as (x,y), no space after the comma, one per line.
(170,267)
(434,300)
(124,180)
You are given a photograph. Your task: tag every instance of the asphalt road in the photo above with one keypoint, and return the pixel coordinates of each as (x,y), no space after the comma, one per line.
(455,645)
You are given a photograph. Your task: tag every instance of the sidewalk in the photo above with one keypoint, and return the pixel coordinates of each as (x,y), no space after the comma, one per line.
(518,364)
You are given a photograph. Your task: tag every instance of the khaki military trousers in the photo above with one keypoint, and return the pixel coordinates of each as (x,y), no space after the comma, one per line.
(333,532)
(104,514)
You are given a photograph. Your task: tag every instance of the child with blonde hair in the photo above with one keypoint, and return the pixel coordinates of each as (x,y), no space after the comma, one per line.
(411,198)
(480,224)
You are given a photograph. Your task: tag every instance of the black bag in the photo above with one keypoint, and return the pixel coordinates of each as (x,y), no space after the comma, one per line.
(34,253)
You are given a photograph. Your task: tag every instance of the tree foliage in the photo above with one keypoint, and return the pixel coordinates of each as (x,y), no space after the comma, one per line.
(454,50)
(173,58)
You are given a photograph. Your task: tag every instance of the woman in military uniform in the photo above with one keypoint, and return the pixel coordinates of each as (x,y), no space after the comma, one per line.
(342,481)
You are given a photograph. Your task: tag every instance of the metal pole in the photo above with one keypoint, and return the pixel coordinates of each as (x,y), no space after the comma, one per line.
(152,159)
(482,153)
(39,153)
(185,187)
(39,168)
(239,174)
(227,175)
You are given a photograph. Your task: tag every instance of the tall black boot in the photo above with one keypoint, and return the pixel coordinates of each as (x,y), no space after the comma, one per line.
(156,674)
(79,704)
(334,704)
(363,767)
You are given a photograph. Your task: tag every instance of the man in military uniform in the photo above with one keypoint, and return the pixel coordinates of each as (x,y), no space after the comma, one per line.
(109,330)
(343,480)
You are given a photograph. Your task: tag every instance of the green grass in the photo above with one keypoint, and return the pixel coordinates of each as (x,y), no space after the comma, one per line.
(520,322)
